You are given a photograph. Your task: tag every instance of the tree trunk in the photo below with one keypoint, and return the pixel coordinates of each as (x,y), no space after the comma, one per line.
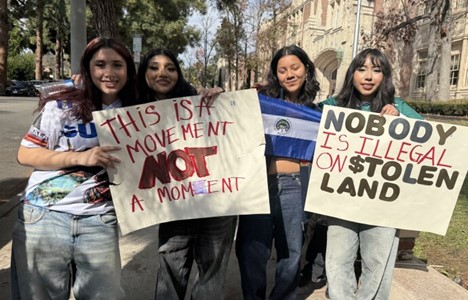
(39,34)
(229,74)
(439,60)
(246,83)
(236,38)
(446,51)
(406,59)
(105,18)
(445,63)
(432,57)
(58,58)
(3,44)
(406,69)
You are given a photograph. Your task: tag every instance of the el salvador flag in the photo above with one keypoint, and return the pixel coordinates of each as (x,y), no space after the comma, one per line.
(290,129)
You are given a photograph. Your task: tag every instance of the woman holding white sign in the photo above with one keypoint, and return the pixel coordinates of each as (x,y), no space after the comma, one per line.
(367,86)
(292,79)
(206,241)
(67,219)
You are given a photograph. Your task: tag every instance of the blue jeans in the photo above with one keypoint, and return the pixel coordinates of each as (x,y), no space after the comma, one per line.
(48,245)
(255,235)
(208,241)
(378,247)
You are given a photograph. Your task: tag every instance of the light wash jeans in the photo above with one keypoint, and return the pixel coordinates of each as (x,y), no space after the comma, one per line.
(378,246)
(255,235)
(48,245)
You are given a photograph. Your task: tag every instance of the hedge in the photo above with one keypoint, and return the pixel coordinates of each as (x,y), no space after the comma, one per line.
(458,108)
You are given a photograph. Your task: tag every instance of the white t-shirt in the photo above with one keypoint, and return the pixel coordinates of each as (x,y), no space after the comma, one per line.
(77,190)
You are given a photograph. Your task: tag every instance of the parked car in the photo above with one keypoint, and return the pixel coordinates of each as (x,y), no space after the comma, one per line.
(20,88)
(37,84)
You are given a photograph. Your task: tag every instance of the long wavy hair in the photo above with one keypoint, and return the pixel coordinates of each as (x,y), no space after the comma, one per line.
(349,95)
(88,98)
(310,87)
(181,89)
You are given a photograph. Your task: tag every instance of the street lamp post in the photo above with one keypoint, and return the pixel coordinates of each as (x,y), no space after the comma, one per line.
(77,33)
(356,28)
(137,47)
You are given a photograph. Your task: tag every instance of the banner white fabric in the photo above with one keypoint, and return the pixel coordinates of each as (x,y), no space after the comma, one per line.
(387,171)
(184,160)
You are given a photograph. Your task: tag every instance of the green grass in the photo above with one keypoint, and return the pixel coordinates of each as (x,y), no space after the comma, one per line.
(449,253)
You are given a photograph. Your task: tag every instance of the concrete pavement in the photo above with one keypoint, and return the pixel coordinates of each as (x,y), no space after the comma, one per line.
(16,117)
(413,280)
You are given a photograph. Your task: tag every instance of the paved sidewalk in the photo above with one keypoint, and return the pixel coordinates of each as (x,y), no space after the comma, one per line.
(413,280)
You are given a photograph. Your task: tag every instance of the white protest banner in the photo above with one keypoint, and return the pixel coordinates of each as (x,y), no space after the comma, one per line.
(387,171)
(183,160)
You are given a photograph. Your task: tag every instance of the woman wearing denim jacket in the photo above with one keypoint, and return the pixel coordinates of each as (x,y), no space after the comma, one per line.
(367,86)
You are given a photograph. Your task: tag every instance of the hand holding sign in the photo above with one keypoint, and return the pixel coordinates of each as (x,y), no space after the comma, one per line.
(387,171)
(183,159)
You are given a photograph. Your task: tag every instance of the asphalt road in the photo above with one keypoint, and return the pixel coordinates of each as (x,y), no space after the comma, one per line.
(16,115)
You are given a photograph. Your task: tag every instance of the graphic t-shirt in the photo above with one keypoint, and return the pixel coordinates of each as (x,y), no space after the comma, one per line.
(77,190)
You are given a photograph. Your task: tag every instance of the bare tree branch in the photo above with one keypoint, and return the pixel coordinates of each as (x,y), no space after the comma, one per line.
(386,32)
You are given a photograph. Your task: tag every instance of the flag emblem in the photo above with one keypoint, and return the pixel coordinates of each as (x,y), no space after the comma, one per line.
(290,129)
(283,126)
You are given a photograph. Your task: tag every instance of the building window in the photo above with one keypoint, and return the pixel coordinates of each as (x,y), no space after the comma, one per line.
(421,77)
(333,75)
(454,69)
(335,13)
(421,80)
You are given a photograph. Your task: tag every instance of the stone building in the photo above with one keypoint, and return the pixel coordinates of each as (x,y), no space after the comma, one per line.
(458,60)
(326,30)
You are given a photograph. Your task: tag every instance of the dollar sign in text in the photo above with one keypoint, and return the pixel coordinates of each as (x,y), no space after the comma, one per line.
(356,164)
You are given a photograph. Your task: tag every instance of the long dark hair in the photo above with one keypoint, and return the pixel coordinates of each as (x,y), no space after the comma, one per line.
(350,97)
(181,89)
(310,87)
(88,97)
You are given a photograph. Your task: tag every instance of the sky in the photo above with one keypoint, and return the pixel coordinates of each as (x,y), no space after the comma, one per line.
(195,20)
(212,11)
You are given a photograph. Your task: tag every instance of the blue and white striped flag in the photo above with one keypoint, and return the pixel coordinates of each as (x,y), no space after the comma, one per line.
(290,129)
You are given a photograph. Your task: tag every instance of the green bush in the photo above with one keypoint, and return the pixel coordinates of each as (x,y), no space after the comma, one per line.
(21,67)
(456,108)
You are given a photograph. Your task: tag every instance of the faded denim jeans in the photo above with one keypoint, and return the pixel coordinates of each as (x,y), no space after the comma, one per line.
(255,235)
(378,247)
(47,243)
